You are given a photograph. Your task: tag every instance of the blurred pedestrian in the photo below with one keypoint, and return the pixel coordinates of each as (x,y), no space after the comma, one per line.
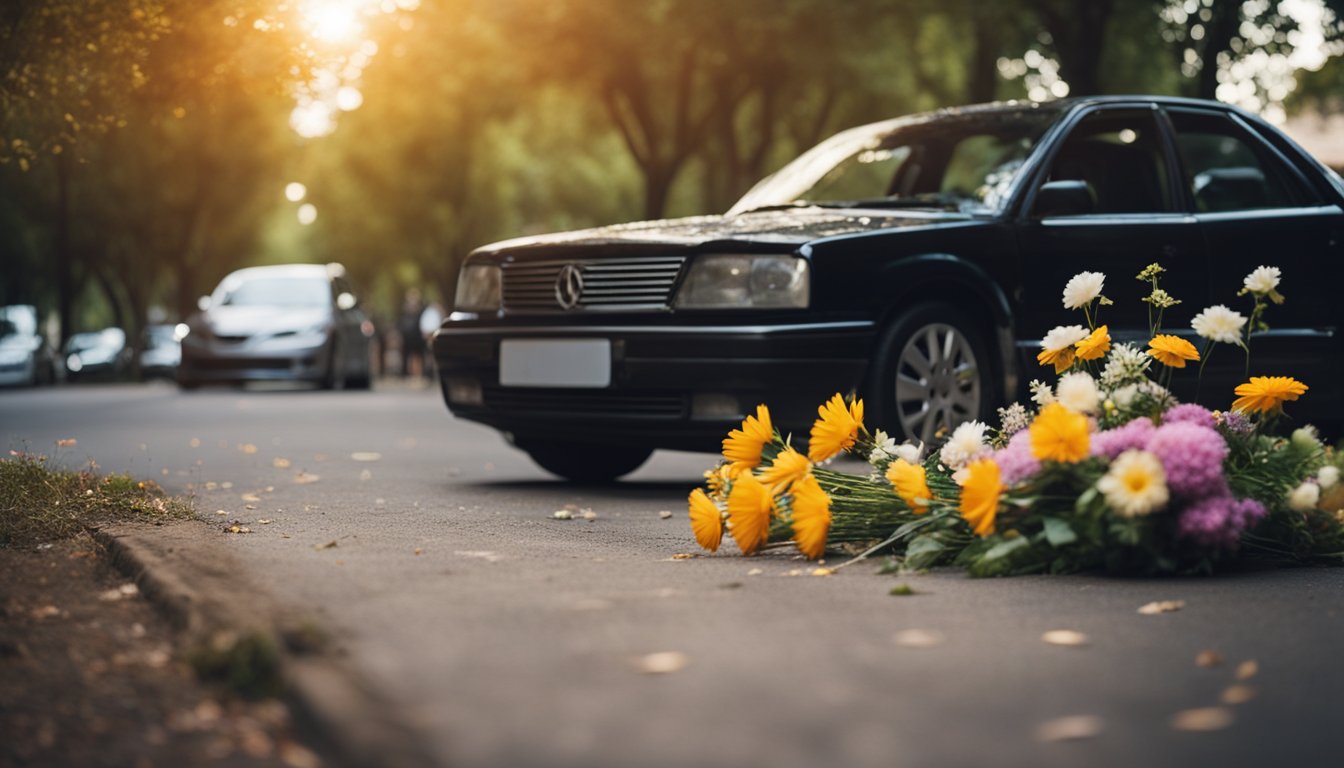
(412,340)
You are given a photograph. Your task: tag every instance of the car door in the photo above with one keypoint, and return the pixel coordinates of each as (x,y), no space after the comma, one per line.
(1124,156)
(1255,208)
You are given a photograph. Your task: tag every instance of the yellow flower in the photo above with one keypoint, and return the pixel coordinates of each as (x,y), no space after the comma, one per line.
(1095,345)
(1057,348)
(1059,434)
(980,496)
(743,446)
(836,430)
(719,479)
(1172,351)
(789,467)
(1060,358)
(706,521)
(750,507)
(911,484)
(811,517)
(1266,394)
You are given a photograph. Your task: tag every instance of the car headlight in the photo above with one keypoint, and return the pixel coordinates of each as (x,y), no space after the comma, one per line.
(478,288)
(733,281)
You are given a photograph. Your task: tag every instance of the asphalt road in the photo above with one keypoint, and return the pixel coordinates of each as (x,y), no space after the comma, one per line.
(511,638)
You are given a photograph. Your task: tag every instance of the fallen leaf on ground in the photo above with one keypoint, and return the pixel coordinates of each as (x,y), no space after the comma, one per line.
(587,514)
(1202,719)
(249,506)
(562,514)
(664,514)
(304,478)
(755,571)
(419,551)
(68,442)
(823,571)
(329,545)
(1162,606)
(918,638)
(1237,694)
(1071,728)
(221,512)
(265,521)
(238,529)
(366,475)
(195,442)
(247,448)
(119,593)
(251,497)
(486,555)
(1065,637)
(662,663)
(45,612)
(280,463)
(1208,659)
(1247,669)
(366,456)
(683,556)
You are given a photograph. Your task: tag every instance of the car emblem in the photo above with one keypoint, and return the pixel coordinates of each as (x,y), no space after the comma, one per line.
(569,286)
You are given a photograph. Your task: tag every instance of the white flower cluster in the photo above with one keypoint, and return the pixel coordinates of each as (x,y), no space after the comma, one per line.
(1124,396)
(1013,419)
(1220,324)
(885,449)
(1263,280)
(1041,393)
(966,444)
(1126,364)
(1063,336)
(1078,392)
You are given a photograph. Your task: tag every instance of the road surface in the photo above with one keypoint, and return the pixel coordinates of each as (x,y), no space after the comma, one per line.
(428,548)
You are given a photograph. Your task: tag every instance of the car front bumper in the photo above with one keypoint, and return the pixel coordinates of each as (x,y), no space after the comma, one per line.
(207,360)
(680,387)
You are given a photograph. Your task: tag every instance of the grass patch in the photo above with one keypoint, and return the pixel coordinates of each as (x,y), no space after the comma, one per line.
(40,502)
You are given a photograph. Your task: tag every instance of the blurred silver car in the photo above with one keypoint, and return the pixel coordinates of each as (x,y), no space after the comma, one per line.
(26,359)
(162,351)
(97,355)
(291,322)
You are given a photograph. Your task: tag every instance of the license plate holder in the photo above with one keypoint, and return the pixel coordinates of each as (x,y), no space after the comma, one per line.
(576,363)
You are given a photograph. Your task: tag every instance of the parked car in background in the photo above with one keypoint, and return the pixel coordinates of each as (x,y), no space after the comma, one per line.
(291,322)
(916,262)
(162,351)
(26,359)
(97,356)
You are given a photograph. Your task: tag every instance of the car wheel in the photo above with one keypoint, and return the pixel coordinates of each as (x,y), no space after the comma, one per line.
(933,372)
(587,463)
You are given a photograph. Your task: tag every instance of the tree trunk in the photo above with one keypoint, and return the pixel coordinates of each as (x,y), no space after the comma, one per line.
(1217,39)
(65,277)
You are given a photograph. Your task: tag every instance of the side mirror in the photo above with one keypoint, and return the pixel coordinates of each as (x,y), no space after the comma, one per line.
(1064,198)
(203,303)
(346,301)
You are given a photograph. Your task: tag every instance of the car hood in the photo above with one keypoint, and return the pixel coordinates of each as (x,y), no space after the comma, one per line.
(250,321)
(791,226)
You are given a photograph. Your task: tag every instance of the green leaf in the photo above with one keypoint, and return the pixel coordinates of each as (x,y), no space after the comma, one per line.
(1005,548)
(1085,500)
(1058,532)
(923,552)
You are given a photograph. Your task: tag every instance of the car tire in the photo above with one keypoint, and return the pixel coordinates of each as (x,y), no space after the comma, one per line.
(585,462)
(932,372)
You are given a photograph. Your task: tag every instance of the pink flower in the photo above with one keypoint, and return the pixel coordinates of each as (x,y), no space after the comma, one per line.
(1131,436)
(1189,413)
(1015,460)
(1192,456)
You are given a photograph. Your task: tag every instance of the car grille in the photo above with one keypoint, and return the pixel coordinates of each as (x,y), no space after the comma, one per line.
(610,284)
(596,403)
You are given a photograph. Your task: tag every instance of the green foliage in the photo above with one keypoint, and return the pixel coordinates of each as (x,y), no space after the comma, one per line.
(39,502)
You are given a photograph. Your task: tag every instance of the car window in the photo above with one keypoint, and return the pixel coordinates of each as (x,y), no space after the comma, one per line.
(1227,169)
(275,292)
(1119,155)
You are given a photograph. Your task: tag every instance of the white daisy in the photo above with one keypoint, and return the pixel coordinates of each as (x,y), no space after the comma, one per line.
(1304,497)
(1135,484)
(1220,324)
(1063,336)
(1262,280)
(966,444)
(1328,476)
(1082,289)
(1078,392)
(911,453)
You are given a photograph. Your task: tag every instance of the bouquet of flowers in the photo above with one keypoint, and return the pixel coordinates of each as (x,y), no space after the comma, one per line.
(1104,469)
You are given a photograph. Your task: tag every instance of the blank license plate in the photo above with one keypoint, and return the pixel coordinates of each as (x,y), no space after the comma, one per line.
(555,362)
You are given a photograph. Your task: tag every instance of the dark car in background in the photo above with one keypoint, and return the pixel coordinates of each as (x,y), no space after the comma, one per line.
(162,350)
(289,322)
(916,262)
(26,359)
(97,356)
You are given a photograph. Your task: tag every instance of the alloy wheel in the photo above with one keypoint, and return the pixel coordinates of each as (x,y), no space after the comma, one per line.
(937,383)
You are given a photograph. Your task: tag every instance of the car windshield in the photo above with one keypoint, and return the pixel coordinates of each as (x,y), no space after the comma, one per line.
(963,162)
(274,292)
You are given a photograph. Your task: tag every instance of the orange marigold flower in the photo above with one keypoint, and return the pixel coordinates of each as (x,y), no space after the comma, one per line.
(750,507)
(743,446)
(811,517)
(1172,351)
(910,482)
(706,520)
(1059,434)
(788,468)
(980,496)
(1097,343)
(1267,394)
(836,430)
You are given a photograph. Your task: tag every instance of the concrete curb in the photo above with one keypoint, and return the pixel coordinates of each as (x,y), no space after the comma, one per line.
(182,570)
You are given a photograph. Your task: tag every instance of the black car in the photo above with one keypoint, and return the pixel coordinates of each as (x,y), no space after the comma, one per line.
(282,322)
(916,262)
